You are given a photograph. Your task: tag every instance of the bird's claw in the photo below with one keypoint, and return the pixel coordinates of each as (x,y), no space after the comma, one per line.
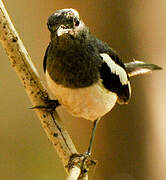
(83,161)
(50,105)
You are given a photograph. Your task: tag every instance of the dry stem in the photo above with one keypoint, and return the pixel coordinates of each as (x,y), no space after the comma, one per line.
(52,125)
(22,64)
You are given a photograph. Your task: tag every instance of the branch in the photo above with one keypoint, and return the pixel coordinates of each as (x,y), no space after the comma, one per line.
(74,173)
(22,64)
(77,165)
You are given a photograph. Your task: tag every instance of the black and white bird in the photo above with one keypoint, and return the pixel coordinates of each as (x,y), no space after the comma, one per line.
(84,74)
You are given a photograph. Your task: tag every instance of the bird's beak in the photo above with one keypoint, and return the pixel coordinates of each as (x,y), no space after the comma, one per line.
(62,30)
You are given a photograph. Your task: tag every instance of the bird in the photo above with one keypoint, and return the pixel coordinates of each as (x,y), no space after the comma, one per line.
(85,75)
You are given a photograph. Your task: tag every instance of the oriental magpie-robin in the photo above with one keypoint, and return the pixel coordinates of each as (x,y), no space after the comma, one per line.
(86,75)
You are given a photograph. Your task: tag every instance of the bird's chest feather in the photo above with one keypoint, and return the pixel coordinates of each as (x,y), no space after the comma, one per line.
(74,65)
(89,102)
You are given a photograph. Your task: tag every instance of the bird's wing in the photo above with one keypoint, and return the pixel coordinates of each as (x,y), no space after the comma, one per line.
(114,78)
(45,59)
(113,72)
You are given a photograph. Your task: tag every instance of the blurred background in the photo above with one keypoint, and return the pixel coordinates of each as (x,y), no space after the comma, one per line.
(130,143)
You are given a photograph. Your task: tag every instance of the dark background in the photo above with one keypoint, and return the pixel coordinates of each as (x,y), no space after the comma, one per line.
(130,142)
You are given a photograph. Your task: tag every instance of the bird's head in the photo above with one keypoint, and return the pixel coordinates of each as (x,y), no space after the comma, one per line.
(65,22)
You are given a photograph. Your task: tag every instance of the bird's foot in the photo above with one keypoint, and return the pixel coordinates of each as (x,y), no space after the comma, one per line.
(50,105)
(84,162)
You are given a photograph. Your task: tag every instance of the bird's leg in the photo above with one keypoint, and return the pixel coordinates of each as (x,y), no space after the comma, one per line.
(50,105)
(92,136)
(84,159)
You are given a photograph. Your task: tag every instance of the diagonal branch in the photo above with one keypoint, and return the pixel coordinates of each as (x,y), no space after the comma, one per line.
(76,165)
(22,64)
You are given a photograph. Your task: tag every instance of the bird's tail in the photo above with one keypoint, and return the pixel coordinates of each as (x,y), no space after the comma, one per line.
(138,68)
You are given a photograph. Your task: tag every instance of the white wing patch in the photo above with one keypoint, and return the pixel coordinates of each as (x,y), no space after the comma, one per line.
(115,68)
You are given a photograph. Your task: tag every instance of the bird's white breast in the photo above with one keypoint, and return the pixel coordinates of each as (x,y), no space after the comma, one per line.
(90,102)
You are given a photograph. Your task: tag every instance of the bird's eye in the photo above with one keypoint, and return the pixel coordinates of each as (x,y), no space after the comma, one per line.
(77,23)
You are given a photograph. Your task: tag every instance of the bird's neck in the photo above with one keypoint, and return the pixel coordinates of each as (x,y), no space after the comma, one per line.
(67,40)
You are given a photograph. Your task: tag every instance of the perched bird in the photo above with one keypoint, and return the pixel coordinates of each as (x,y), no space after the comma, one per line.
(84,74)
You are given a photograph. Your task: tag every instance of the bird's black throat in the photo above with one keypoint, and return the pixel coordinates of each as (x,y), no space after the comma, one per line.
(73,61)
